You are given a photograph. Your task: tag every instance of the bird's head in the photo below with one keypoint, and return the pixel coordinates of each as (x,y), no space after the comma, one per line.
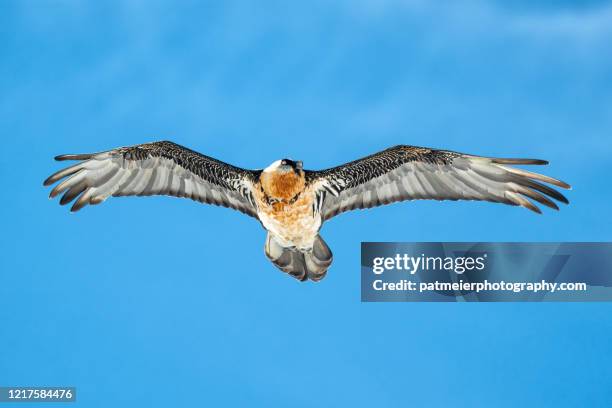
(284,166)
(283,179)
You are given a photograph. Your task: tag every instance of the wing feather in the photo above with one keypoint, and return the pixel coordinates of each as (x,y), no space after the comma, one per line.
(415,173)
(159,168)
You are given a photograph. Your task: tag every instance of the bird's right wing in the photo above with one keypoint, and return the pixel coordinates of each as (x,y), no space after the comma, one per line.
(159,168)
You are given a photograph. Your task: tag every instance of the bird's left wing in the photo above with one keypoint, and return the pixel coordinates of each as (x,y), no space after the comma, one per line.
(159,168)
(412,173)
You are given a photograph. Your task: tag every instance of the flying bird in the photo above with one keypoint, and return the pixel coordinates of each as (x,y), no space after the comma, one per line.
(292,203)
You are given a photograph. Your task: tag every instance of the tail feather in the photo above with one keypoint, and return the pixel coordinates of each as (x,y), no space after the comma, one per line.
(287,260)
(302,265)
(318,260)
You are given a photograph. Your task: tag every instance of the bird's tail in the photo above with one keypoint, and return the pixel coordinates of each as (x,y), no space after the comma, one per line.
(302,265)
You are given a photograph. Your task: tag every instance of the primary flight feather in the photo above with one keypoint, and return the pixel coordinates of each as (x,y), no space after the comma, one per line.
(292,203)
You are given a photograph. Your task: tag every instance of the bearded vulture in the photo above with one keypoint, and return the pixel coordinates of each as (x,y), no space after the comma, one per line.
(292,203)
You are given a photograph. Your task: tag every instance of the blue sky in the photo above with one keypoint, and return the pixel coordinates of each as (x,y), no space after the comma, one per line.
(164,302)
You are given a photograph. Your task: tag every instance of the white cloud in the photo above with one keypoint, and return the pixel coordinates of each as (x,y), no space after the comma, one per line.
(591,24)
(585,25)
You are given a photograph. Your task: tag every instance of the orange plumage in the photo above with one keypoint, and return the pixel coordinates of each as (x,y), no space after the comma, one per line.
(282,186)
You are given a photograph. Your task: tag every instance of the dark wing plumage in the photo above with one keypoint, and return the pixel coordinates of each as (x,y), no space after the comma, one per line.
(159,168)
(412,173)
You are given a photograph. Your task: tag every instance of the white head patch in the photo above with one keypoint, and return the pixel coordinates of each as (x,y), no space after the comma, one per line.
(273,167)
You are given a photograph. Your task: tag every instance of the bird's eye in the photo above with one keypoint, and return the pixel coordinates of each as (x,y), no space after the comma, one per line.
(284,162)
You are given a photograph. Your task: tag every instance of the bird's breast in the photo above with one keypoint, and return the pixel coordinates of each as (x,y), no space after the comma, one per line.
(292,223)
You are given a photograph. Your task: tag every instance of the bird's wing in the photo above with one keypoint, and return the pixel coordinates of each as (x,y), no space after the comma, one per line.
(160,168)
(413,173)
